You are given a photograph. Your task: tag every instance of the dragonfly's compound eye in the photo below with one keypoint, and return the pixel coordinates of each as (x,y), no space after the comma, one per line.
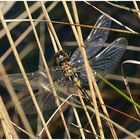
(61,57)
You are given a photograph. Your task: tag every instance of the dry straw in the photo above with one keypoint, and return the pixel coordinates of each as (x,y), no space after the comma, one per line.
(94,90)
(8,128)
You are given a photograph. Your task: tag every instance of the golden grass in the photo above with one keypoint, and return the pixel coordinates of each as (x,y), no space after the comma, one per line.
(95,93)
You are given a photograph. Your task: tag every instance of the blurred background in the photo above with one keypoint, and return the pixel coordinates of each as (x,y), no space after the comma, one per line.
(29,54)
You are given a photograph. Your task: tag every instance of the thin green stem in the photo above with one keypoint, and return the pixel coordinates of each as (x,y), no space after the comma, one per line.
(118,90)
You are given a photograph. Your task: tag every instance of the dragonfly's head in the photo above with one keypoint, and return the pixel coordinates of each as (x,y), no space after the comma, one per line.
(61,57)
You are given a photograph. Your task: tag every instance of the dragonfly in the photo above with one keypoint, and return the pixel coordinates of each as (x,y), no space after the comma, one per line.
(101,61)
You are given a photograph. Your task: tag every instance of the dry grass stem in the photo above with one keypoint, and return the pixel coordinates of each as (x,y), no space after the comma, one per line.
(74,24)
(57,110)
(53,40)
(51,26)
(86,130)
(15,100)
(74,43)
(82,98)
(136,7)
(123,7)
(23,15)
(134,62)
(103,107)
(23,71)
(24,131)
(119,78)
(86,67)
(82,42)
(137,133)
(26,32)
(75,12)
(78,122)
(46,67)
(115,124)
(110,17)
(44,61)
(5,119)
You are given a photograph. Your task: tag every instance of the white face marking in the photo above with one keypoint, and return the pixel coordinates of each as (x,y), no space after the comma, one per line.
(60,56)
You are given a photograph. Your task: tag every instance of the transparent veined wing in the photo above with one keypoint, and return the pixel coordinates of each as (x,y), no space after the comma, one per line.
(94,41)
(34,78)
(106,60)
(42,88)
(46,99)
(42,98)
(18,82)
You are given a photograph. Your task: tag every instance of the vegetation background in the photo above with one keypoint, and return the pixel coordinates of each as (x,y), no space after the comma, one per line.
(28,48)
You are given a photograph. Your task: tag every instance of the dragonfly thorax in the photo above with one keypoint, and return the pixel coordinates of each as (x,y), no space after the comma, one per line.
(67,69)
(63,61)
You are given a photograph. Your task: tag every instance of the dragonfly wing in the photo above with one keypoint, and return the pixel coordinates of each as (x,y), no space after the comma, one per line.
(35,79)
(46,99)
(94,41)
(107,59)
(44,96)
(18,82)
